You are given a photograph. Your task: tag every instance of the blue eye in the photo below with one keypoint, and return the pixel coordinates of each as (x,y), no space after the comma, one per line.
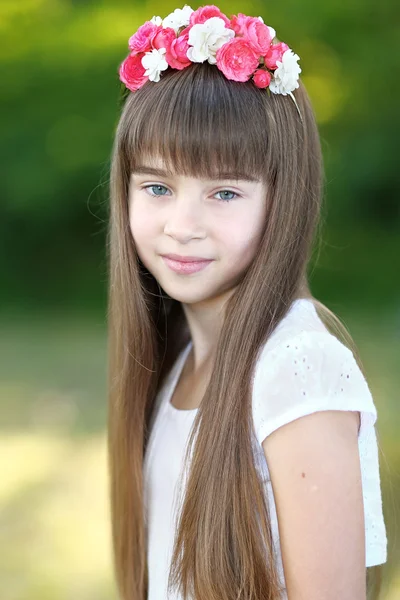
(146,187)
(154,186)
(229,192)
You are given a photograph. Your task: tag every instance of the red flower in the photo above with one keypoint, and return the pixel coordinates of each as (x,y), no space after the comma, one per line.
(131,72)
(262,78)
(163,37)
(275,53)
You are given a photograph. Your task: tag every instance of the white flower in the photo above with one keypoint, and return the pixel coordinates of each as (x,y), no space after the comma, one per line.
(286,75)
(154,62)
(206,38)
(156,20)
(179,18)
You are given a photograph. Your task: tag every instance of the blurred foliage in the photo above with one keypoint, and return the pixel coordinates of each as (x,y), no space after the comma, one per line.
(59,95)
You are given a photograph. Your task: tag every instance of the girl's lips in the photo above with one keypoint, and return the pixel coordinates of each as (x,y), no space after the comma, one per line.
(185,258)
(186,268)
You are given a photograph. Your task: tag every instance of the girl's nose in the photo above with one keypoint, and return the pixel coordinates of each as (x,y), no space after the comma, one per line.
(184,220)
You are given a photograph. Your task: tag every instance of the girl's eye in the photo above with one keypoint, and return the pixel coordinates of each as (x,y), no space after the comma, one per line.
(229,192)
(163,186)
(154,186)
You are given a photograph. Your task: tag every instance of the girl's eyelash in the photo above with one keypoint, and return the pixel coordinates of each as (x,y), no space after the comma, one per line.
(145,187)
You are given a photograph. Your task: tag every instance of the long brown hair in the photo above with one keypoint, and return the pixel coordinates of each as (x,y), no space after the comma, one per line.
(200,123)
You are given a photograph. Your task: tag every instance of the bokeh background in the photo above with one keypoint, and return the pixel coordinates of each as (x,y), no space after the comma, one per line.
(59,109)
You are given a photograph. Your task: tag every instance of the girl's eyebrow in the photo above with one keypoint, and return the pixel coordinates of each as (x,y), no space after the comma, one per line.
(145,170)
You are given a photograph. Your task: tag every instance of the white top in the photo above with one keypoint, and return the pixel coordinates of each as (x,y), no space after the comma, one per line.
(301,369)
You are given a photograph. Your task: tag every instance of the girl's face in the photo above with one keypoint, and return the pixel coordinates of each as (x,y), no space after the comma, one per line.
(221,220)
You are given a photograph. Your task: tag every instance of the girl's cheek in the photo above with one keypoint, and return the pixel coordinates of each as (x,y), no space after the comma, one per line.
(138,217)
(237,234)
(144,230)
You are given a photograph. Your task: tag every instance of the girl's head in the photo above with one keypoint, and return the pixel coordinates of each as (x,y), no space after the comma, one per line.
(241,185)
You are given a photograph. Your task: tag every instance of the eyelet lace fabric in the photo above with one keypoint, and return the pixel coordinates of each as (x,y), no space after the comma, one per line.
(301,373)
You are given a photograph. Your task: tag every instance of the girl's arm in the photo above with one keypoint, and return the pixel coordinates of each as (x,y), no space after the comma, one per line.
(315,474)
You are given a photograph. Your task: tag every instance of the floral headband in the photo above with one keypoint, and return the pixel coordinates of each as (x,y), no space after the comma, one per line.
(241,47)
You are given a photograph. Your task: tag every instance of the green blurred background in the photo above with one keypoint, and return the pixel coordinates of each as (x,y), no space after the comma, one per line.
(59,94)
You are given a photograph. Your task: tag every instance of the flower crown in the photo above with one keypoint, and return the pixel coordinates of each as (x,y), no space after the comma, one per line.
(241,47)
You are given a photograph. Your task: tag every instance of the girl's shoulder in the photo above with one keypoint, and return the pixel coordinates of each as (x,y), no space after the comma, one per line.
(303,368)
(301,318)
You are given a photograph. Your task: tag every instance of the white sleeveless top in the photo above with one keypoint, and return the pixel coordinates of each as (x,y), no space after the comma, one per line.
(301,369)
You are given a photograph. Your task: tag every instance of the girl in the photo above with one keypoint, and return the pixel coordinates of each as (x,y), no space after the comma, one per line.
(242,443)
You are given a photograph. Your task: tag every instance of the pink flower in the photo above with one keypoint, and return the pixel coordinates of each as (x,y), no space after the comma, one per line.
(275,53)
(206,12)
(256,32)
(262,78)
(131,71)
(237,59)
(163,37)
(176,55)
(240,23)
(141,40)
(258,36)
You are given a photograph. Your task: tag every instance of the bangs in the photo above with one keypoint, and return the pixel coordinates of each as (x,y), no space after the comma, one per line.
(201,125)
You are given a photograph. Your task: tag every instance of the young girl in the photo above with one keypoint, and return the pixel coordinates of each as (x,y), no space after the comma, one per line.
(242,443)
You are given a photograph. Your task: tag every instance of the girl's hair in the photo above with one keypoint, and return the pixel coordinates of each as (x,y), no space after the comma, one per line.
(199,123)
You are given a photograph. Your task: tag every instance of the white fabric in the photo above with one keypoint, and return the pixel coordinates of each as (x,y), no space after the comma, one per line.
(301,369)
